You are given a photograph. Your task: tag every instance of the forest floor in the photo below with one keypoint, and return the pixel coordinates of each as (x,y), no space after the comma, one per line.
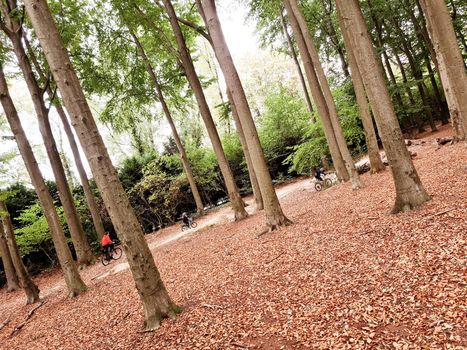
(345,275)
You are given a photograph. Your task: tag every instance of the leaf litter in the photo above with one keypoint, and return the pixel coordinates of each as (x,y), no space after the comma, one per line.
(345,275)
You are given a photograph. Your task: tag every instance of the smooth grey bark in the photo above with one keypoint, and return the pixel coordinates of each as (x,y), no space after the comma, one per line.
(73,280)
(156,302)
(409,189)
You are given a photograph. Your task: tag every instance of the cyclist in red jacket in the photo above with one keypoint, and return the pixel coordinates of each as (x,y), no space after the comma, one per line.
(107,245)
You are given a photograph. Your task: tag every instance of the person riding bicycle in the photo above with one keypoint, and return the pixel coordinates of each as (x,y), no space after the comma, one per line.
(319,174)
(186,219)
(107,245)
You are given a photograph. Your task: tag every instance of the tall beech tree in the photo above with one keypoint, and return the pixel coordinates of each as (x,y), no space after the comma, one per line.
(409,189)
(274,215)
(73,280)
(294,55)
(246,151)
(376,164)
(181,149)
(13,29)
(25,281)
(90,199)
(294,10)
(156,301)
(450,63)
(12,280)
(187,62)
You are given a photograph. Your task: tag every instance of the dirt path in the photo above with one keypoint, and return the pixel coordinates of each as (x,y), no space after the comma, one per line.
(345,275)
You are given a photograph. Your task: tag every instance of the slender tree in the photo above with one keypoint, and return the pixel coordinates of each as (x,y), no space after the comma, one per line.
(318,96)
(13,29)
(450,62)
(376,164)
(181,149)
(346,156)
(246,151)
(274,215)
(25,281)
(193,79)
(409,189)
(72,278)
(294,55)
(12,280)
(90,199)
(156,301)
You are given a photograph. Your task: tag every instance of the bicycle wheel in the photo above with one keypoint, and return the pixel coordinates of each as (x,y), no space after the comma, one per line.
(104,260)
(327,182)
(318,186)
(117,253)
(193,224)
(185,227)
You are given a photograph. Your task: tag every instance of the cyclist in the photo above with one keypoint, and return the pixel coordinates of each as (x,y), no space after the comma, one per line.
(186,219)
(107,245)
(318,174)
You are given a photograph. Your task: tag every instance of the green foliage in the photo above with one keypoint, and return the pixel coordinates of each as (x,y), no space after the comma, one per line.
(282,126)
(34,233)
(309,153)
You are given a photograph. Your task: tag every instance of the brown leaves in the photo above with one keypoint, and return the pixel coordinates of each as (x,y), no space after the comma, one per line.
(345,275)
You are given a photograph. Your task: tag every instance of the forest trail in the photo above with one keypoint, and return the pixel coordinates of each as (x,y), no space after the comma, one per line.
(344,275)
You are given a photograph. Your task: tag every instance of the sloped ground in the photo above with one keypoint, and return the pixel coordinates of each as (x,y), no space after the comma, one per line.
(345,275)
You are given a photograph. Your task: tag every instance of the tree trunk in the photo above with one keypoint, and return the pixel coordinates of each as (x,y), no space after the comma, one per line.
(82,247)
(12,280)
(183,156)
(451,64)
(90,199)
(274,215)
(156,301)
(25,281)
(386,64)
(72,278)
(297,64)
(422,34)
(334,38)
(417,74)
(236,200)
(409,189)
(442,106)
(458,31)
(411,120)
(376,164)
(249,162)
(318,96)
(333,116)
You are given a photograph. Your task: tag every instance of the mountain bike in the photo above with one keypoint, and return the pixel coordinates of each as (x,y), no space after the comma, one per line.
(191,224)
(115,253)
(325,182)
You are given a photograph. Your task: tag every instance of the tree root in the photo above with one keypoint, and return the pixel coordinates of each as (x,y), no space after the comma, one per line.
(27,318)
(5,323)
(275,258)
(273,227)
